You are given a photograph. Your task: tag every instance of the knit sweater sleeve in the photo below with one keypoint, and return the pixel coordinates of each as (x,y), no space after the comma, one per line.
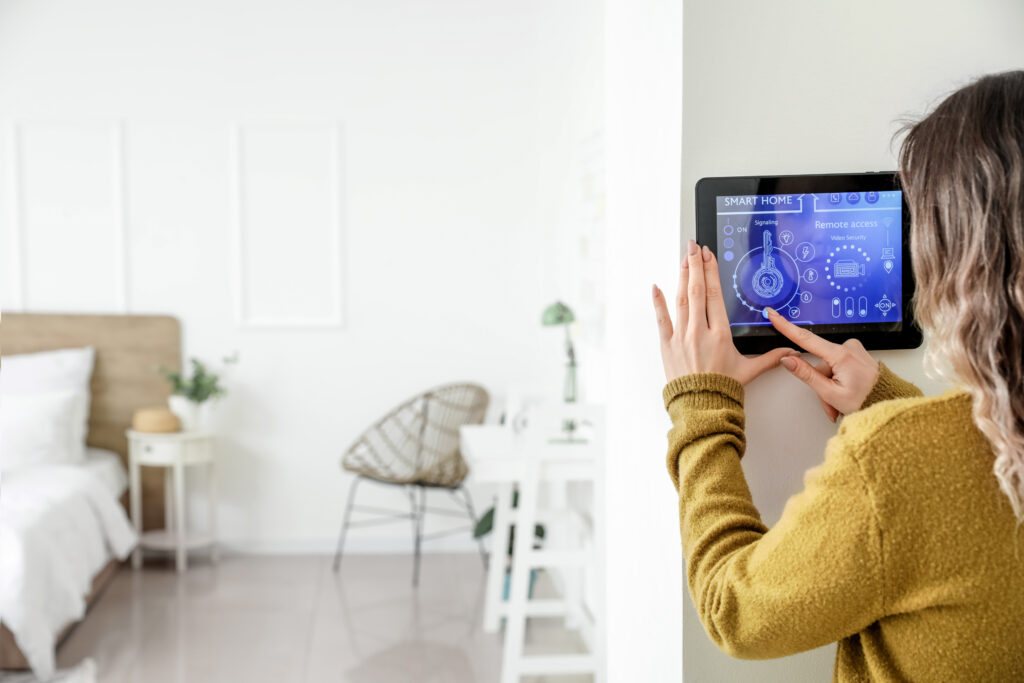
(889,386)
(813,578)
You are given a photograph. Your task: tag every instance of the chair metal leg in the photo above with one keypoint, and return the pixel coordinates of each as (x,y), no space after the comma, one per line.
(345,520)
(418,516)
(411,492)
(473,520)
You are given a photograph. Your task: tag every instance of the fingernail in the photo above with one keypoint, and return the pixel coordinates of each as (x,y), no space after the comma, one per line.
(692,247)
(707,254)
(654,291)
(788,362)
(686,263)
(770,311)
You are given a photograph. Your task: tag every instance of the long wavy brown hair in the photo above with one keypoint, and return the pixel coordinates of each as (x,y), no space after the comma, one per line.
(962,168)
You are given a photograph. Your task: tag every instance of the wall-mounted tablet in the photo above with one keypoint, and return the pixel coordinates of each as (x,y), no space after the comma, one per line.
(829,252)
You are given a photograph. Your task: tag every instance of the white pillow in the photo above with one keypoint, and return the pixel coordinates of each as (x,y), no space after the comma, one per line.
(53,371)
(37,429)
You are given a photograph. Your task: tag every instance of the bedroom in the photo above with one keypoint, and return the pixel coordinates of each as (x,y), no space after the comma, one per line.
(338,207)
(273,181)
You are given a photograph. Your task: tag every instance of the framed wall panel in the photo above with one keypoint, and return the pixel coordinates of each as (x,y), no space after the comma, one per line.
(181,247)
(288,228)
(67,213)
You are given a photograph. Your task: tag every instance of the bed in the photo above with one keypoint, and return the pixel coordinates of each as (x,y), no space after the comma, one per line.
(51,502)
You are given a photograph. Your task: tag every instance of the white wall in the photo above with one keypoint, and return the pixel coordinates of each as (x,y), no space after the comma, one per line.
(643,100)
(802,87)
(461,126)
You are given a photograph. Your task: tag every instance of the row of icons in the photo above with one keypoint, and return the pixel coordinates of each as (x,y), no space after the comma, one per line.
(852,197)
(843,269)
(805,252)
(884,305)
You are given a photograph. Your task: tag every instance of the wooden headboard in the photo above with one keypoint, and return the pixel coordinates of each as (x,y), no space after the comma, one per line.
(129,350)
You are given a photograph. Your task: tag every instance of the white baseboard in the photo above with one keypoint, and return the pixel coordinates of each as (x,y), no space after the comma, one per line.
(353,546)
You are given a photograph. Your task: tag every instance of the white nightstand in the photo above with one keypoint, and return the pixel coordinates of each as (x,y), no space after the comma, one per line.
(174,451)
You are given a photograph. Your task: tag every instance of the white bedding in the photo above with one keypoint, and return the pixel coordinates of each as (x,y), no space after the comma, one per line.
(59,525)
(108,467)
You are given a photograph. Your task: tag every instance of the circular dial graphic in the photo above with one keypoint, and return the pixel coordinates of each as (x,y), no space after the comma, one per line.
(846,267)
(766,276)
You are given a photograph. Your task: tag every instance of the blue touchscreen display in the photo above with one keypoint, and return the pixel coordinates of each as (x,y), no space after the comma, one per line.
(819,259)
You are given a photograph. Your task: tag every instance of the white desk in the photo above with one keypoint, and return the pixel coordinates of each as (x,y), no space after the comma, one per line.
(498,456)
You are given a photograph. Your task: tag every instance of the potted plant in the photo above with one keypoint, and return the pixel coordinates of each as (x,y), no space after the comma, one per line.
(485,525)
(193,397)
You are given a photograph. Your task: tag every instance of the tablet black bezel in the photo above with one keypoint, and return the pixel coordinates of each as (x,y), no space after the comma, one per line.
(901,335)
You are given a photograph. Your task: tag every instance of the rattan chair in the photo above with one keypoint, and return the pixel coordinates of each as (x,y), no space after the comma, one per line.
(416,446)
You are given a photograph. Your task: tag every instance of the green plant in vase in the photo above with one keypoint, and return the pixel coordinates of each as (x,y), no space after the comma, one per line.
(192,396)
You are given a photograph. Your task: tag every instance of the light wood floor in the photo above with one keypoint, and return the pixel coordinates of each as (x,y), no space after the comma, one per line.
(283,619)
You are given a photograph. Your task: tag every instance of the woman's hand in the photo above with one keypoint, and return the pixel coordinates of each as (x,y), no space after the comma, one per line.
(700,341)
(845,376)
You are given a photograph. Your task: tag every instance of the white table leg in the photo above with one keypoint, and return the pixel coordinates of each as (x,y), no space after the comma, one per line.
(179,522)
(168,499)
(136,502)
(572,577)
(522,552)
(494,595)
(211,495)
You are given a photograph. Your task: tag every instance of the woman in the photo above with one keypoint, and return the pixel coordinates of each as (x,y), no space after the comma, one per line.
(905,545)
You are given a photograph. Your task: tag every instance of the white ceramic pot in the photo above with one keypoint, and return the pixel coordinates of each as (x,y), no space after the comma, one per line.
(187,412)
(205,412)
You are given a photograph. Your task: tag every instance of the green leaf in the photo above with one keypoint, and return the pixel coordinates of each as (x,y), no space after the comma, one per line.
(484,525)
(202,386)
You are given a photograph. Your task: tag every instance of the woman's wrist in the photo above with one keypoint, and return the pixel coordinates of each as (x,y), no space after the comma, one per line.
(703,389)
(889,386)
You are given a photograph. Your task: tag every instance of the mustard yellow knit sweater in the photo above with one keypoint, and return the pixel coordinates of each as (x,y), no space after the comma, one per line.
(901,545)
